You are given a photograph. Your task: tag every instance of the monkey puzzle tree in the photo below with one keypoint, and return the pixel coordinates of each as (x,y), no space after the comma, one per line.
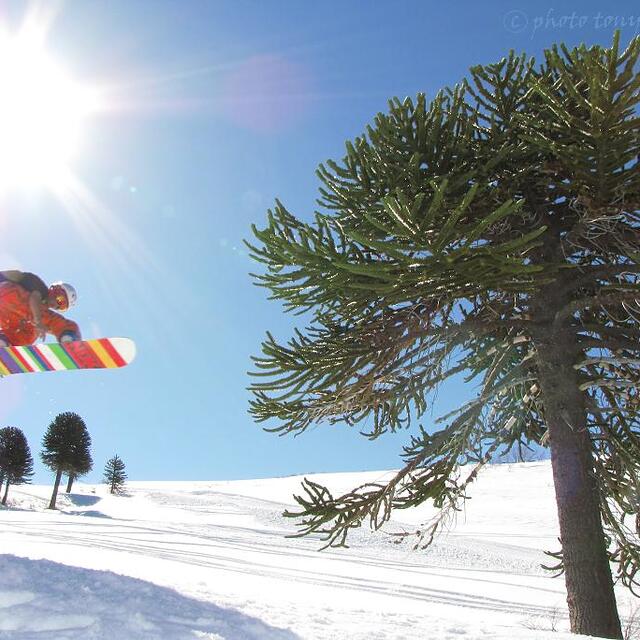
(82,464)
(493,231)
(3,452)
(114,474)
(66,446)
(16,463)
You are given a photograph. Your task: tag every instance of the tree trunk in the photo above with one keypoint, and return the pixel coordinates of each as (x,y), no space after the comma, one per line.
(70,482)
(6,491)
(590,594)
(54,495)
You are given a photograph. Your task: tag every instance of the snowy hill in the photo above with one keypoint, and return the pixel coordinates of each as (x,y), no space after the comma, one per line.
(178,560)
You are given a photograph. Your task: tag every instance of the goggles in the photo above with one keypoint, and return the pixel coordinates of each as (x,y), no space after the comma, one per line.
(61,300)
(62,295)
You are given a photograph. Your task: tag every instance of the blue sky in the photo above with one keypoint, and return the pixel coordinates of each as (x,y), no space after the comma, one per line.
(219,107)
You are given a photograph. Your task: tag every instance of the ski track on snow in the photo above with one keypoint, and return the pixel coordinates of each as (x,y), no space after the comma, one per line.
(201,562)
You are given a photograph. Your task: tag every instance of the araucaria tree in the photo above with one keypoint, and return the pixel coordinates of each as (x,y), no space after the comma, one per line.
(66,447)
(16,463)
(494,231)
(83,464)
(114,474)
(3,433)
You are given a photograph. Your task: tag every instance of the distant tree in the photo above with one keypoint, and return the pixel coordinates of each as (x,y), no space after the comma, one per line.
(3,433)
(66,448)
(83,466)
(15,458)
(114,474)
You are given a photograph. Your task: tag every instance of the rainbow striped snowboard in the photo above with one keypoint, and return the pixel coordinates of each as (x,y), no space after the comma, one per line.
(103,353)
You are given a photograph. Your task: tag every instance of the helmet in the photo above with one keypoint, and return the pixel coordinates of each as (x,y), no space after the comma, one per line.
(63,295)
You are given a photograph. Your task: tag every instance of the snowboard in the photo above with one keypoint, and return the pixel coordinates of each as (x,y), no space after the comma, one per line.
(103,353)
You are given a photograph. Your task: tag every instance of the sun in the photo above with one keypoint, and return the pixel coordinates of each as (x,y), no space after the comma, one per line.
(43,113)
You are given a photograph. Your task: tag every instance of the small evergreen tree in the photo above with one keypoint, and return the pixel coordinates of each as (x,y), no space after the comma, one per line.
(114,474)
(15,458)
(66,448)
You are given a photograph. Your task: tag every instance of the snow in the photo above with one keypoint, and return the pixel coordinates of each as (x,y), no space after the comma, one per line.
(210,560)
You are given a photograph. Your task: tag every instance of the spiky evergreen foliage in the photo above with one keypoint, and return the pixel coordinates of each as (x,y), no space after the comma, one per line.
(114,474)
(493,231)
(16,463)
(66,448)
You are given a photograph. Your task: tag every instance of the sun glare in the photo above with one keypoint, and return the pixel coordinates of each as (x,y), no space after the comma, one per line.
(42,113)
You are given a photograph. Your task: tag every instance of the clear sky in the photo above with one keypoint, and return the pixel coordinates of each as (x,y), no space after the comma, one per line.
(212,110)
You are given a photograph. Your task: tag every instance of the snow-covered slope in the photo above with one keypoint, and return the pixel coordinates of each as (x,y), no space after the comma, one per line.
(176,560)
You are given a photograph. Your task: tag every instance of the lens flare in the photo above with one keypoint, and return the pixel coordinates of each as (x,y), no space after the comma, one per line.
(266,93)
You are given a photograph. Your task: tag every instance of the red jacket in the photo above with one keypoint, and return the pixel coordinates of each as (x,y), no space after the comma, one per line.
(16,323)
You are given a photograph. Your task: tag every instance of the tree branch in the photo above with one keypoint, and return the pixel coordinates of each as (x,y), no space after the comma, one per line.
(597,300)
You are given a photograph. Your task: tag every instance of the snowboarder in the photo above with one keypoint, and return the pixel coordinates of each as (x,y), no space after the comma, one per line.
(26,305)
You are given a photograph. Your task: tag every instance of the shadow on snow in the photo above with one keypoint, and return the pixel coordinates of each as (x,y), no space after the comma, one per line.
(41,598)
(81,500)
